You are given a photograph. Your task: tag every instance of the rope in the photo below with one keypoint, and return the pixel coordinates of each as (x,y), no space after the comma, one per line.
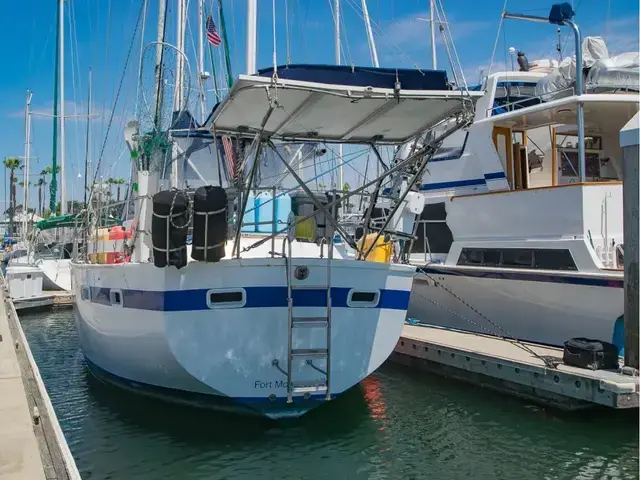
(508,337)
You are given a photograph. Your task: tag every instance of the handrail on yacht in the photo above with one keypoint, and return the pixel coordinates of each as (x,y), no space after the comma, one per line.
(547,187)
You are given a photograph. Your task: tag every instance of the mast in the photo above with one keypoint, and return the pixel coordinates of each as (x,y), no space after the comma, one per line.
(53,186)
(178,94)
(157,95)
(201,73)
(338,62)
(27,155)
(372,43)
(432,7)
(251,36)
(63,186)
(87,158)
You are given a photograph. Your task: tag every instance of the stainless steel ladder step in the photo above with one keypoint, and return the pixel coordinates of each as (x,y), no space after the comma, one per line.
(309,322)
(309,352)
(308,287)
(310,386)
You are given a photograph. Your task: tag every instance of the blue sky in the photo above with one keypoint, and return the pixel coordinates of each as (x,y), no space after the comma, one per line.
(99,34)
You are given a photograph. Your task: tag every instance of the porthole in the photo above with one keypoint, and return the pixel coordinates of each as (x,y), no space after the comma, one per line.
(226,298)
(115,297)
(363,298)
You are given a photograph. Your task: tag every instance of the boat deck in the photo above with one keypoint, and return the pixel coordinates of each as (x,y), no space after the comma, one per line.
(515,368)
(32,445)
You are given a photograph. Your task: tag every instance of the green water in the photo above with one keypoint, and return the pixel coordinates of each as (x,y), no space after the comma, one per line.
(398,424)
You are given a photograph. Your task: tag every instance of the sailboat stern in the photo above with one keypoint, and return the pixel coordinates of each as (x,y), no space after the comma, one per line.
(223,329)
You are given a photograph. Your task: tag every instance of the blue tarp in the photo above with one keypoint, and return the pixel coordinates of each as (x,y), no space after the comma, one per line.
(363,76)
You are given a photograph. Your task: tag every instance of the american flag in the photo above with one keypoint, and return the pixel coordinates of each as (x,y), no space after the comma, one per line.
(212,35)
(228,153)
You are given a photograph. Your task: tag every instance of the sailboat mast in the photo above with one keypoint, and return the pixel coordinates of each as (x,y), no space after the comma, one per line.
(372,43)
(157,95)
(338,62)
(27,156)
(252,12)
(87,158)
(201,74)
(434,61)
(63,186)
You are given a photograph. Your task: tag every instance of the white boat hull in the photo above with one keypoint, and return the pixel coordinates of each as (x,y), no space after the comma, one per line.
(165,338)
(547,308)
(57,273)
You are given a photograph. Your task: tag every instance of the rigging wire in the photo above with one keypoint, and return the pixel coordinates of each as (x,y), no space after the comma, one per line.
(495,44)
(135,31)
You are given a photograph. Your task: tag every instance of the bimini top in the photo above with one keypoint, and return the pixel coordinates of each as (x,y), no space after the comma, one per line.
(372,105)
(363,76)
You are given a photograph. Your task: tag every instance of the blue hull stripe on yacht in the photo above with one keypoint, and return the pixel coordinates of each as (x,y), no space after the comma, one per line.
(494,176)
(528,277)
(256,297)
(473,182)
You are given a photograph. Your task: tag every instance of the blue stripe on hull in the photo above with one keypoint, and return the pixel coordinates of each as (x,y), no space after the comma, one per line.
(276,408)
(256,297)
(528,277)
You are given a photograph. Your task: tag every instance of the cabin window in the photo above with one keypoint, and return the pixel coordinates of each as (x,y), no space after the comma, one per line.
(226,298)
(85,293)
(363,298)
(115,297)
(433,233)
(551,259)
(536,258)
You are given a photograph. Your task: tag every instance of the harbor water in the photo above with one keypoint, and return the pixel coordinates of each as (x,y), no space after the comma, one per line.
(398,424)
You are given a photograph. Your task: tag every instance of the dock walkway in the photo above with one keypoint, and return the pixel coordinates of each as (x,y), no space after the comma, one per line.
(514,367)
(32,445)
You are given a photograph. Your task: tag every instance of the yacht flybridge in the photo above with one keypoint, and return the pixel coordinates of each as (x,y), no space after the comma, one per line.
(529,242)
(273,311)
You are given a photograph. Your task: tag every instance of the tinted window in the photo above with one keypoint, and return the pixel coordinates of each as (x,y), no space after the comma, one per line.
(552,259)
(226,297)
(438,235)
(517,258)
(543,259)
(470,256)
(365,297)
(491,257)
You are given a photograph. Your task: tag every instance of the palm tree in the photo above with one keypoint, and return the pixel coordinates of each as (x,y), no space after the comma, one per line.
(40,184)
(110,182)
(48,170)
(118,182)
(12,163)
(43,177)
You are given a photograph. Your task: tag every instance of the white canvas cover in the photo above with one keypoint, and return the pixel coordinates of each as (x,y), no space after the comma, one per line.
(619,72)
(557,83)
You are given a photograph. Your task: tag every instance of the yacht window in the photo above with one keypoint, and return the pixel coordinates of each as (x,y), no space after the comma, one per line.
(226,298)
(516,258)
(554,259)
(363,298)
(470,256)
(433,233)
(491,257)
(115,296)
(543,259)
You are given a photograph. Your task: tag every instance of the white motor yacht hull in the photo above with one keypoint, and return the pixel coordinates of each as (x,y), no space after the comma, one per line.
(541,307)
(165,338)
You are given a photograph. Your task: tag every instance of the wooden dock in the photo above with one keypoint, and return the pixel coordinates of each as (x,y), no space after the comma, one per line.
(522,369)
(32,445)
(48,300)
